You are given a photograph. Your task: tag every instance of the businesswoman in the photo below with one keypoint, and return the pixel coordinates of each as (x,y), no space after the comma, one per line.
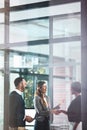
(41,104)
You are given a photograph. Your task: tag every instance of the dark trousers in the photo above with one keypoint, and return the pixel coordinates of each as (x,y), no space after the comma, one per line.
(42,125)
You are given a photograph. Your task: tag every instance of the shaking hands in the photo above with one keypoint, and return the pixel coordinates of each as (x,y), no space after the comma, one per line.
(29,119)
(56,111)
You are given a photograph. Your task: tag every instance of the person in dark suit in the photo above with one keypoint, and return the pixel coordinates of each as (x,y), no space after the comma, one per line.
(74,110)
(41,104)
(17,116)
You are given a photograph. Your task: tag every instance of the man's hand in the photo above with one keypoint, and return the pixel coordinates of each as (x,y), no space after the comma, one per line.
(29,118)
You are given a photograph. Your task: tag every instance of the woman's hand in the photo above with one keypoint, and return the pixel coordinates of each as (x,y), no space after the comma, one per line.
(55,111)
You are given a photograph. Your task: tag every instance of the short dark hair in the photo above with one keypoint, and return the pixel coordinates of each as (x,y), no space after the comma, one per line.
(17,81)
(76,86)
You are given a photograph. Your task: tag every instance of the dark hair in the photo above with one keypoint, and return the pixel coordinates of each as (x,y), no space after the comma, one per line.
(39,87)
(39,91)
(17,81)
(40,84)
(76,86)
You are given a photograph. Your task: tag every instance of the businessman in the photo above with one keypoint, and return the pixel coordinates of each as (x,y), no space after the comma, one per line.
(17,116)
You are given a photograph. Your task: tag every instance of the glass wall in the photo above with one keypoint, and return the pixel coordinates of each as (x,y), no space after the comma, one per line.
(66,26)
(29,30)
(42,40)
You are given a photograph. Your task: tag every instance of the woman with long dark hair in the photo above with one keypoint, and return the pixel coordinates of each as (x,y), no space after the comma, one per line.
(41,104)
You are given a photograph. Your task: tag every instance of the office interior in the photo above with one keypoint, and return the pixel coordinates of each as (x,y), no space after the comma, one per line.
(43,40)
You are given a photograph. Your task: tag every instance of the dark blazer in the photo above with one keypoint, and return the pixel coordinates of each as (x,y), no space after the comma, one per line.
(42,111)
(16,110)
(74,110)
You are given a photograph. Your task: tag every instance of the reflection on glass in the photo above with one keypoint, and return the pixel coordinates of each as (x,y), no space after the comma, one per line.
(66,26)
(1,28)
(66,68)
(29,30)
(1,90)
(23,2)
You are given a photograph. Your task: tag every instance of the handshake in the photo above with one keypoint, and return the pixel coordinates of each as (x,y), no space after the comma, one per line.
(56,111)
(29,119)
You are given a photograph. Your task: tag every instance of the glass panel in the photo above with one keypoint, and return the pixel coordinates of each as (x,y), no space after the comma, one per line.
(23,2)
(1,3)
(45,11)
(39,29)
(29,30)
(32,64)
(66,26)
(1,90)
(1,28)
(66,68)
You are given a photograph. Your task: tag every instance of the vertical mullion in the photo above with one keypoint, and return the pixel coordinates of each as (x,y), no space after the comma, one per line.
(6,66)
(51,61)
(84,62)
